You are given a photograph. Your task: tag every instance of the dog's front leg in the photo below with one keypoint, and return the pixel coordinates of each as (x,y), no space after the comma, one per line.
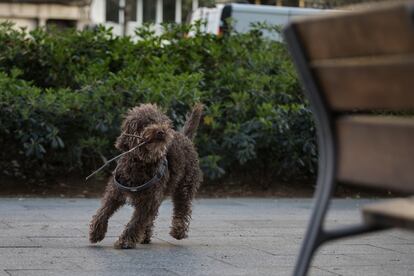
(142,219)
(113,199)
(148,233)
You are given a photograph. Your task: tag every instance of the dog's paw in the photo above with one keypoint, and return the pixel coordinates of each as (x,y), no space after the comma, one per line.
(178,233)
(95,238)
(124,244)
(146,240)
(97,231)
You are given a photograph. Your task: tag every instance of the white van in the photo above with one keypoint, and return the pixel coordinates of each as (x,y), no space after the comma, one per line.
(243,15)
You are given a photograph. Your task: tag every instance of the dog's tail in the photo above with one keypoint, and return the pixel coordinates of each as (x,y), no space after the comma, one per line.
(191,124)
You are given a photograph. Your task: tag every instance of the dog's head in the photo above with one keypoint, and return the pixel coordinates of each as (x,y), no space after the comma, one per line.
(146,123)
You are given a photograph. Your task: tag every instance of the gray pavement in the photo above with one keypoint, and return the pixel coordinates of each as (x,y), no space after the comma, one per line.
(228,237)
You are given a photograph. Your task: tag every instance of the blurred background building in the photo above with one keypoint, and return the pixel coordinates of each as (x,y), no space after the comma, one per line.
(34,13)
(324,4)
(124,15)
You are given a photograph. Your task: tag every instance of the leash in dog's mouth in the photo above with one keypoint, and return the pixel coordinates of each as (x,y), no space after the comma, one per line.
(119,155)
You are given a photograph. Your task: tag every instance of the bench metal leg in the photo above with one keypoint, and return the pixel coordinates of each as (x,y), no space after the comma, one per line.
(309,246)
(314,233)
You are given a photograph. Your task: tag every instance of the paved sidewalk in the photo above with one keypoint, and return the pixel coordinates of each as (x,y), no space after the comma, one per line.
(228,237)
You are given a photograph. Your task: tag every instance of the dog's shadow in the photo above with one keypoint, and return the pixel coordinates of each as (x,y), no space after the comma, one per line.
(159,244)
(156,253)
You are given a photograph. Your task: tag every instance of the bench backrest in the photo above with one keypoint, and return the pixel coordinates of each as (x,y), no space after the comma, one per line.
(356,67)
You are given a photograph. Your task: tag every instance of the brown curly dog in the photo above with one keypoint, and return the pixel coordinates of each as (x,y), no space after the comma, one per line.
(167,161)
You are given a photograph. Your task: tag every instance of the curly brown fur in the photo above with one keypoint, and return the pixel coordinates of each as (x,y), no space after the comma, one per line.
(183,177)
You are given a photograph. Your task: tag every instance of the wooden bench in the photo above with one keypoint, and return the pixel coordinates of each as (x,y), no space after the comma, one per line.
(357,69)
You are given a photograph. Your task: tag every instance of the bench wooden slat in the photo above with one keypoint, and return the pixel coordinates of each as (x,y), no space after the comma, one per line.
(367,83)
(376,151)
(382,31)
(396,213)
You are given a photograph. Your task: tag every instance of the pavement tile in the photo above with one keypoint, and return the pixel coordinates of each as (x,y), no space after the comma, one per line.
(321,260)
(407,248)
(233,236)
(40,229)
(16,242)
(41,272)
(341,248)
(391,259)
(372,270)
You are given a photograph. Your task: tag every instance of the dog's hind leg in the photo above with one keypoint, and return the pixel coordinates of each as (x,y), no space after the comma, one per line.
(182,199)
(112,200)
(146,210)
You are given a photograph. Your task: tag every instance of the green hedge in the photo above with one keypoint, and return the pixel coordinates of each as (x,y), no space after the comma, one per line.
(62,96)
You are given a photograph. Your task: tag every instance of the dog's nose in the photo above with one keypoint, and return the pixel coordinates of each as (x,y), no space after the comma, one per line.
(160,134)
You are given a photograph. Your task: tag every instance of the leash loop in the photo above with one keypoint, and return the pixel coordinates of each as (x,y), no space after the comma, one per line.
(161,170)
